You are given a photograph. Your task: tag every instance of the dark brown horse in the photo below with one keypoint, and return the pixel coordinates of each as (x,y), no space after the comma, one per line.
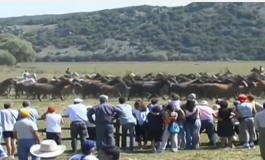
(6,86)
(47,89)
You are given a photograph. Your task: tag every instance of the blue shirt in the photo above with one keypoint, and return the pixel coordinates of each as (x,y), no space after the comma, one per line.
(104,114)
(34,115)
(77,112)
(245,109)
(126,115)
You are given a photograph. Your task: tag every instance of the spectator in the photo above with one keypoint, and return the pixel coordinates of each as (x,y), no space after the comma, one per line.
(260,126)
(47,150)
(3,155)
(128,122)
(169,116)
(207,121)
(8,120)
(257,106)
(109,153)
(225,126)
(104,113)
(91,127)
(192,125)
(26,132)
(154,102)
(88,151)
(155,126)
(34,115)
(77,115)
(245,112)
(175,101)
(141,112)
(53,124)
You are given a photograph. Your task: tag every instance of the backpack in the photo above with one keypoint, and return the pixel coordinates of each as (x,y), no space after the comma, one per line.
(173,127)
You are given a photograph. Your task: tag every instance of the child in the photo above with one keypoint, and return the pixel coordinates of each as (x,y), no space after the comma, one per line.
(155,126)
(88,149)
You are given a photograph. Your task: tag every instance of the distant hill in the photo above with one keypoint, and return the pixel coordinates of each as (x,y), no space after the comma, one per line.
(198,31)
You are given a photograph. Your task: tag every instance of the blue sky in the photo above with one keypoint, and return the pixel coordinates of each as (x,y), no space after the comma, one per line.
(11,8)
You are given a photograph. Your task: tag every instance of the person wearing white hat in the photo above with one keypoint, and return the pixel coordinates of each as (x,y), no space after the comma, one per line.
(77,114)
(104,113)
(207,115)
(47,150)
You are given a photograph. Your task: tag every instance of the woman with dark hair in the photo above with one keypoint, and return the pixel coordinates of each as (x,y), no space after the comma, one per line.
(141,112)
(225,126)
(192,125)
(169,116)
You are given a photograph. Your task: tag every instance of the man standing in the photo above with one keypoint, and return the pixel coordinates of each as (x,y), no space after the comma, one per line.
(245,113)
(128,122)
(26,132)
(104,114)
(260,127)
(77,115)
(8,120)
(34,115)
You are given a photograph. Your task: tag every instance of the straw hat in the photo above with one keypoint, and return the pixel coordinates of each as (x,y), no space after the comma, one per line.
(78,100)
(47,149)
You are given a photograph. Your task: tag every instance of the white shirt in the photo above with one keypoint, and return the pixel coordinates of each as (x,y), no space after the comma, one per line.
(77,112)
(79,156)
(259,120)
(8,119)
(53,123)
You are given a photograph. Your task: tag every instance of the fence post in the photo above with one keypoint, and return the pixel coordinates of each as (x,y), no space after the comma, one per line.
(117,133)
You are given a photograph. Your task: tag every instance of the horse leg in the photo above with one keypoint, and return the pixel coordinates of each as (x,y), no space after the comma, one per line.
(39,98)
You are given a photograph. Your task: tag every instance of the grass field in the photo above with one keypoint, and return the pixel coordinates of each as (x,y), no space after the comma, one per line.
(57,69)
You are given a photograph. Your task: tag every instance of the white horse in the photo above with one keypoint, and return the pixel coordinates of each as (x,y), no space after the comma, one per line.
(27,76)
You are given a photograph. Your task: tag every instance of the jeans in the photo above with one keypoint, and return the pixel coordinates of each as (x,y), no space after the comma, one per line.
(104,135)
(192,134)
(209,126)
(182,137)
(125,128)
(24,149)
(247,131)
(54,136)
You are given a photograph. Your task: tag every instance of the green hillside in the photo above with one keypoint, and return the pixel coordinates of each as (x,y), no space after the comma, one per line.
(198,31)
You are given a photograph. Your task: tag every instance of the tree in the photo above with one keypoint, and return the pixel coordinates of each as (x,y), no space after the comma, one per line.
(6,58)
(21,49)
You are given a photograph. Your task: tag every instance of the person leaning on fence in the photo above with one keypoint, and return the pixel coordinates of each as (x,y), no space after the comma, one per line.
(77,113)
(207,121)
(53,124)
(245,113)
(34,115)
(155,126)
(91,127)
(88,151)
(104,113)
(8,119)
(140,113)
(192,125)
(259,122)
(109,153)
(26,132)
(47,150)
(169,118)
(128,122)
(225,126)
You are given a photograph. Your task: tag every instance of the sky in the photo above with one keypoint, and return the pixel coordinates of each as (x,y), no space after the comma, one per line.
(14,8)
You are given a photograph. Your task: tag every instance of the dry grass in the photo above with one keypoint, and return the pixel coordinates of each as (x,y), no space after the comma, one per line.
(52,69)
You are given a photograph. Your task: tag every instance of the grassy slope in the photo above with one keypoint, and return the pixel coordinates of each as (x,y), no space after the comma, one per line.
(51,69)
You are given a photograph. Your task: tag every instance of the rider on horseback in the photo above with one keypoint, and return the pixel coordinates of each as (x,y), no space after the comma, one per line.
(25,74)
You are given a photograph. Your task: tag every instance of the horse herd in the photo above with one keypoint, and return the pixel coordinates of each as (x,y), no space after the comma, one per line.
(151,85)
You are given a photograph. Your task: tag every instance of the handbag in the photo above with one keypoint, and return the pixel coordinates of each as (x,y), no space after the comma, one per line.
(173,127)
